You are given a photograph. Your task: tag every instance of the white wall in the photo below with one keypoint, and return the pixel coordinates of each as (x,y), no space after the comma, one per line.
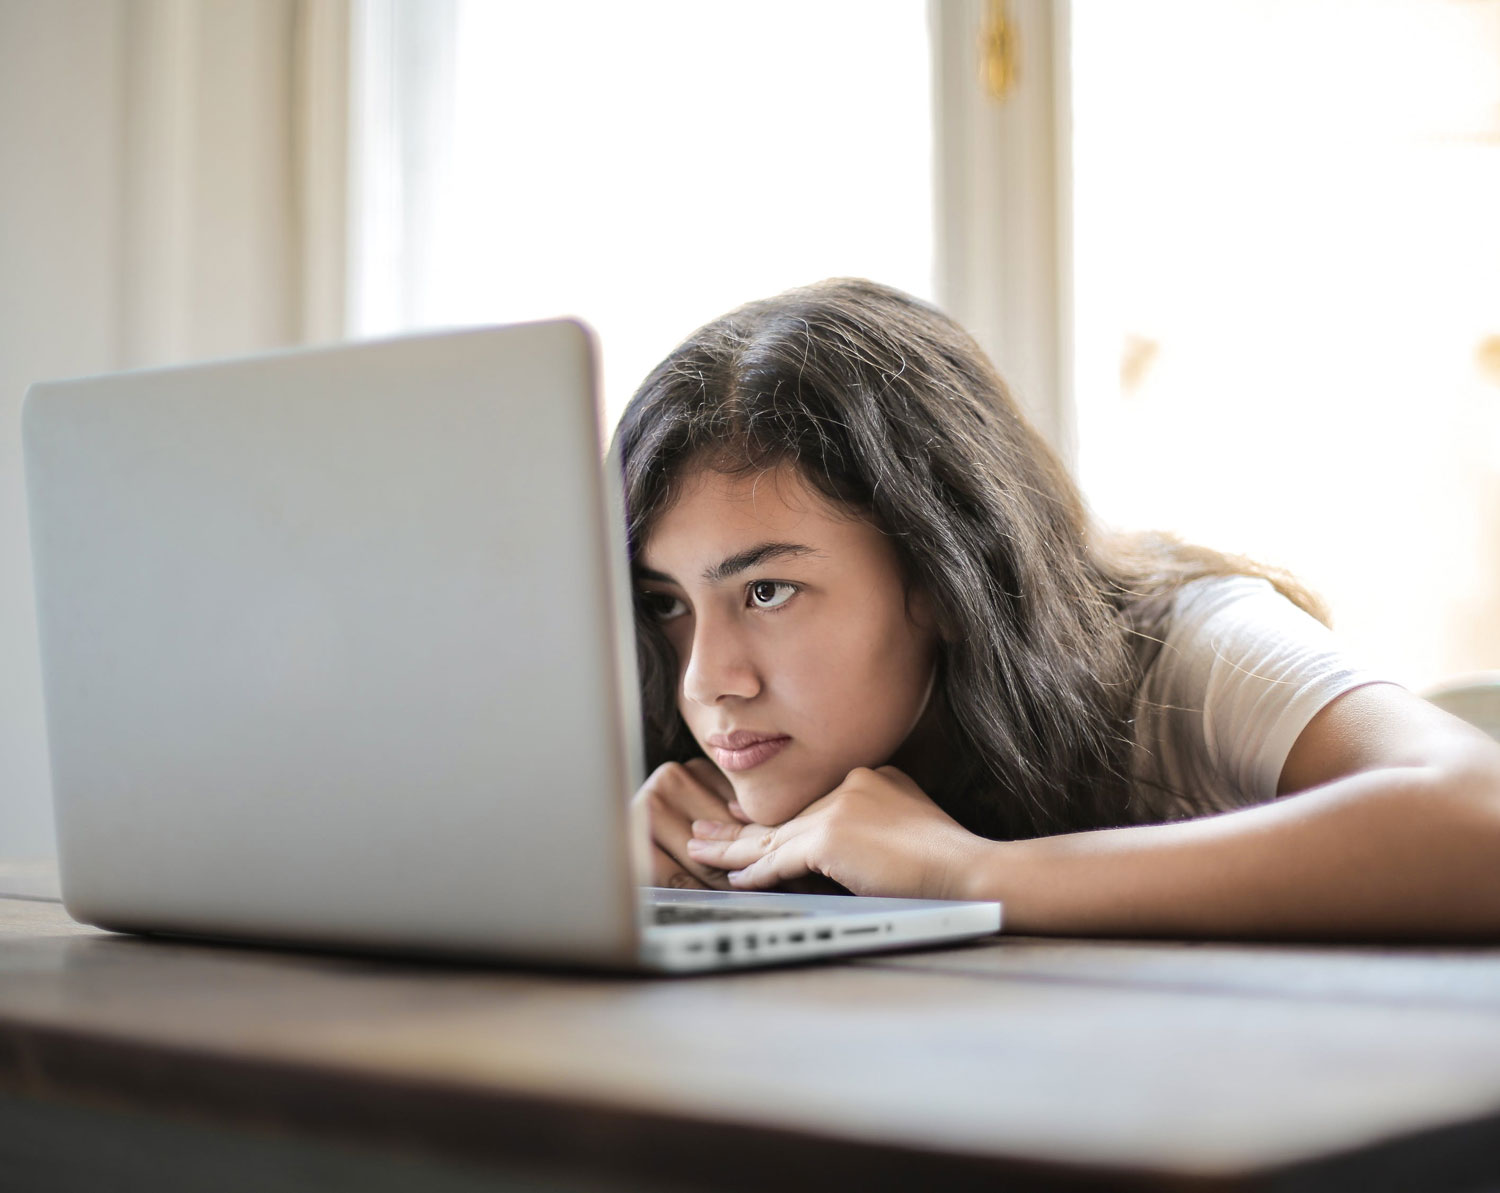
(60,89)
(171,188)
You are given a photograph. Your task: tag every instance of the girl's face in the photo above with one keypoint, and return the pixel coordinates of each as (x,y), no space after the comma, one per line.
(799,655)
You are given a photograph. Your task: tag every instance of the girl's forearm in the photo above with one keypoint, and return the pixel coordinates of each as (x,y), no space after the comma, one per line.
(1398,853)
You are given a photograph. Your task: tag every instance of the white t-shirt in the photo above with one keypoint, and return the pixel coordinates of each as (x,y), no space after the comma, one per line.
(1239,675)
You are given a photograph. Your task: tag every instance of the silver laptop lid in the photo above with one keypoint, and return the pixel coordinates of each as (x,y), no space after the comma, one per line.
(336,647)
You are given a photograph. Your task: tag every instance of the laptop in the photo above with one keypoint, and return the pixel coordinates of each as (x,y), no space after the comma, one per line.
(337,652)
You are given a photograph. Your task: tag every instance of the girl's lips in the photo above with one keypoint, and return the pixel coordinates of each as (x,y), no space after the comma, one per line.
(749,755)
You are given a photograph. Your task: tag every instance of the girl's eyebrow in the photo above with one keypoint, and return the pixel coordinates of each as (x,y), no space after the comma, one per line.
(736,563)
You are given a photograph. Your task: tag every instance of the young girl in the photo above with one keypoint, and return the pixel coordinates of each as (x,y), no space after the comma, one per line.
(882,644)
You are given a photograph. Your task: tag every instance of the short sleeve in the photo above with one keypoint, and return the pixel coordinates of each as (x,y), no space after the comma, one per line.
(1241,672)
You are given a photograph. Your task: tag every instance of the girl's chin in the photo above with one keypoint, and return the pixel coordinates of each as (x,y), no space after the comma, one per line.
(771,804)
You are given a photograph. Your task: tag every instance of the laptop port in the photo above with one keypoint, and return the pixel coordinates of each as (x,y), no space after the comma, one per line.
(751,942)
(723,944)
(860,931)
(796,937)
(825,933)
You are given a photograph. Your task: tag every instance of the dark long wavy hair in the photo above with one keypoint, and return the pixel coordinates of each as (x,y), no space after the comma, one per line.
(889,409)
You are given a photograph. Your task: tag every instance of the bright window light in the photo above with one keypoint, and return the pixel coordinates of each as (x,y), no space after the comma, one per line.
(649,166)
(1288,299)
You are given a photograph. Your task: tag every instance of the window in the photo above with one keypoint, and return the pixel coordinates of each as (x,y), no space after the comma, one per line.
(1287,295)
(1274,301)
(646,166)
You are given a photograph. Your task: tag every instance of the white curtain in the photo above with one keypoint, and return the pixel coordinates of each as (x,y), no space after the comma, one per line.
(171,188)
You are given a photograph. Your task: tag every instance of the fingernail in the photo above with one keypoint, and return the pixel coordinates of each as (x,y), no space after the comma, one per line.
(695,844)
(707,828)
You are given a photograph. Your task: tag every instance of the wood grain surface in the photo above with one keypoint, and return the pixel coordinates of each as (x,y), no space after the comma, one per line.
(1053,1062)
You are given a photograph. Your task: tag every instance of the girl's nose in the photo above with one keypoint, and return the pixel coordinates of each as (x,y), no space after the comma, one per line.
(719,665)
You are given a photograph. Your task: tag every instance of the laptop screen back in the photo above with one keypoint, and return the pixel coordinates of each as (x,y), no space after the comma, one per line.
(336,647)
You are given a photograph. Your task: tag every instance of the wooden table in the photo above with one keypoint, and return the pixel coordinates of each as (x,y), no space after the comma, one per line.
(1014,1063)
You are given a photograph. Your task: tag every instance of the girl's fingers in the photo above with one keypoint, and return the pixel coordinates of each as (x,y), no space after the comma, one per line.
(689,798)
(782,864)
(718,782)
(711,777)
(709,852)
(727,855)
(715,830)
(666,872)
(675,795)
(730,847)
(672,836)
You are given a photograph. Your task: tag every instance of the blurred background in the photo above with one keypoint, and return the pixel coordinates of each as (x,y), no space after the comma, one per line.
(1239,260)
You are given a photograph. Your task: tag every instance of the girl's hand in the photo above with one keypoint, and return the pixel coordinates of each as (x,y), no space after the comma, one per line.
(877,833)
(675,794)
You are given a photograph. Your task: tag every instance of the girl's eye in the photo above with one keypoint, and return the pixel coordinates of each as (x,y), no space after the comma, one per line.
(771,594)
(663,606)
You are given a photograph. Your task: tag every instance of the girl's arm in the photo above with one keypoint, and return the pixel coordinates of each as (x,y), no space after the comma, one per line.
(1393,832)
(1388,827)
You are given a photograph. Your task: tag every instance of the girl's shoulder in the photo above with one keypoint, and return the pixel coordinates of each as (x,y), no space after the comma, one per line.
(1199,600)
(1221,621)
(1240,673)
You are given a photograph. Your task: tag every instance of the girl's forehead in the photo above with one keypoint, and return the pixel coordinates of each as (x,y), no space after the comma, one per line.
(714,512)
(775,493)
